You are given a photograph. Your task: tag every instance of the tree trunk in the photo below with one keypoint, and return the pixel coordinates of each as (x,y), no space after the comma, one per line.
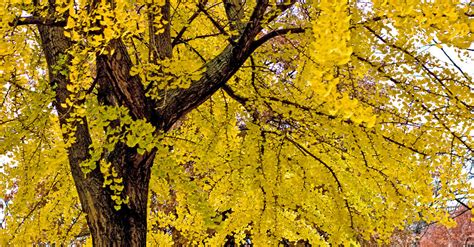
(108,227)
(127,226)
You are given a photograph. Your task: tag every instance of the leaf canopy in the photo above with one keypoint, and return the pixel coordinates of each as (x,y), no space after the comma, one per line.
(341,125)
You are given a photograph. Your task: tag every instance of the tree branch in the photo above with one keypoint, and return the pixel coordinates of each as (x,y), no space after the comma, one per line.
(234,96)
(274,34)
(180,34)
(161,46)
(177,41)
(37,20)
(175,103)
(213,21)
(280,9)
(235,13)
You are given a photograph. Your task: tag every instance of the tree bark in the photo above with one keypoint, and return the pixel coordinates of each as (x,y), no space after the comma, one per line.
(108,227)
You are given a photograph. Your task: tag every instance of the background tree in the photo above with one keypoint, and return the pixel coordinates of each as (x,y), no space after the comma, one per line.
(461,235)
(200,122)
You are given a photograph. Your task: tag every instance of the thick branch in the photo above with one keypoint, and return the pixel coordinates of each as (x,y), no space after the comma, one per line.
(235,13)
(161,47)
(117,87)
(176,103)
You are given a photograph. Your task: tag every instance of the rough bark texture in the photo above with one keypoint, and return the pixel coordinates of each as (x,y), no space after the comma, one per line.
(127,226)
(108,227)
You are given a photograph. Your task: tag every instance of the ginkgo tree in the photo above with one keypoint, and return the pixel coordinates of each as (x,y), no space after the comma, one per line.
(204,122)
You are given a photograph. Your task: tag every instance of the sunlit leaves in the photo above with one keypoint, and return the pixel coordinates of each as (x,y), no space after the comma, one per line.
(346,131)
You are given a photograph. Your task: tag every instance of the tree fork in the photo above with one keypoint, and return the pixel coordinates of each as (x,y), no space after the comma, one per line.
(108,227)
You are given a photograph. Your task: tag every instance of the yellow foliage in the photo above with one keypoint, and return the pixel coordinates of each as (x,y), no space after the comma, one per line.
(335,133)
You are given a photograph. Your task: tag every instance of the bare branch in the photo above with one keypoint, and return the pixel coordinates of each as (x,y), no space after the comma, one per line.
(183,30)
(274,34)
(234,96)
(37,20)
(213,21)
